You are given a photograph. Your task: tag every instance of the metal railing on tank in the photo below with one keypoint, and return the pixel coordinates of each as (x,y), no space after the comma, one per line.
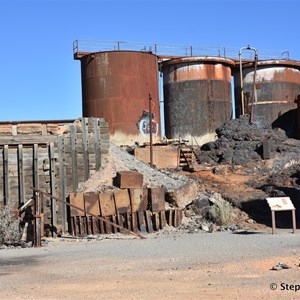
(83,47)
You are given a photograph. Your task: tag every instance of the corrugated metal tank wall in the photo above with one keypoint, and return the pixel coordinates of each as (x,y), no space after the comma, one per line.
(197,96)
(116,86)
(277,84)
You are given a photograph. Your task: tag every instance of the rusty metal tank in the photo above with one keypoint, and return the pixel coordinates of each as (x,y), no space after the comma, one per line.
(277,85)
(197,96)
(116,86)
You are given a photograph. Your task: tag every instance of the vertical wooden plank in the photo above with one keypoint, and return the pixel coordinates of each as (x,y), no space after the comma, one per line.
(175,220)
(35,167)
(74,157)
(157,199)
(21,174)
(114,220)
(107,204)
(155,220)
(63,182)
(91,204)
(97,143)
(76,199)
(101,223)
(162,217)
(149,223)
(170,217)
(95,225)
(37,220)
(134,222)
(179,216)
(142,221)
(85,145)
(6,175)
(138,199)
(123,208)
(52,188)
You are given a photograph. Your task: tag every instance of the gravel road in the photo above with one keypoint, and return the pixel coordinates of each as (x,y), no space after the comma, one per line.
(164,266)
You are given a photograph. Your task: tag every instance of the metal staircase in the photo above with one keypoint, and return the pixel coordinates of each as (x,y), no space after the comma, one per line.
(188,158)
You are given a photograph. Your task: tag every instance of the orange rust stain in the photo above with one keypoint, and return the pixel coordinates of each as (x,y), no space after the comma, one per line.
(186,72)
(290,75)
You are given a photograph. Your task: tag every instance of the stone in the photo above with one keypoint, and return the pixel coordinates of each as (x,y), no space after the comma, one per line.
(183,195)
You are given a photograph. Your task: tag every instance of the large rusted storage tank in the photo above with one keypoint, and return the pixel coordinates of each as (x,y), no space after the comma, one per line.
(277,85)
(197,96)
(116,86)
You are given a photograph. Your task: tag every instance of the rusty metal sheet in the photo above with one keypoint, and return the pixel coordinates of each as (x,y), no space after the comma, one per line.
(107,204)
(139,199)
(157,199)
(122,201)
(91,201)
(77,200)
(129,179)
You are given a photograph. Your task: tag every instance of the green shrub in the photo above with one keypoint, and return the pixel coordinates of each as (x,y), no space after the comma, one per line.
(221,212)
(9,227)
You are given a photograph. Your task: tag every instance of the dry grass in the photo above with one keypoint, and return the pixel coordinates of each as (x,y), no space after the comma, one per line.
(221,212)
(9,227)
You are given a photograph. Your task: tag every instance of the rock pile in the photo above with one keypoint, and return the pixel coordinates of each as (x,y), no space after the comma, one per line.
(240,142)
(180,189)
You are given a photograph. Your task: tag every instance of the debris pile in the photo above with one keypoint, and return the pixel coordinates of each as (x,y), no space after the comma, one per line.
(239,147)
(180,189)
(240,142)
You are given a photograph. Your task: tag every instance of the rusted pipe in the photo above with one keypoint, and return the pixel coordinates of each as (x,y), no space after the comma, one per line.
(241,74)
(254,88)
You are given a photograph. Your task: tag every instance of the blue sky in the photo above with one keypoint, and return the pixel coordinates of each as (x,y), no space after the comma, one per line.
(40,80)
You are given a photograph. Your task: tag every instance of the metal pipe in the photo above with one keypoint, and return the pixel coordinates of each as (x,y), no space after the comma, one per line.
(254,88)
(241,73)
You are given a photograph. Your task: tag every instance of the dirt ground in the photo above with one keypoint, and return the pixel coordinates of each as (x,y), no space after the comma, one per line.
(169,264)
(164,266)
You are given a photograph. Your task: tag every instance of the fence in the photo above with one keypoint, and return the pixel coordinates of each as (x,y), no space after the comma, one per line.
(54,156)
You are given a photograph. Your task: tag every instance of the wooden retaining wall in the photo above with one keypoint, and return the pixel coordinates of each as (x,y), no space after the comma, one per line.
(51,156)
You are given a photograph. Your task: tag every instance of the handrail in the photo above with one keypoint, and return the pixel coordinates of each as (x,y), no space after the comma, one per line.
(83,46)
(193,138)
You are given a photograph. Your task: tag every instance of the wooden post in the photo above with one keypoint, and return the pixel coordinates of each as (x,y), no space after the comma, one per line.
(21,174)
(53,190)
(97,144)
(74,157)
(6,175)
(85,146)
(37,220)
(35,167)
(273,221)
(294,220)
(62,170)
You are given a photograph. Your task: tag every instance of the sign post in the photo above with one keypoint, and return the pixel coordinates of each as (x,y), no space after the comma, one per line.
(281,204)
